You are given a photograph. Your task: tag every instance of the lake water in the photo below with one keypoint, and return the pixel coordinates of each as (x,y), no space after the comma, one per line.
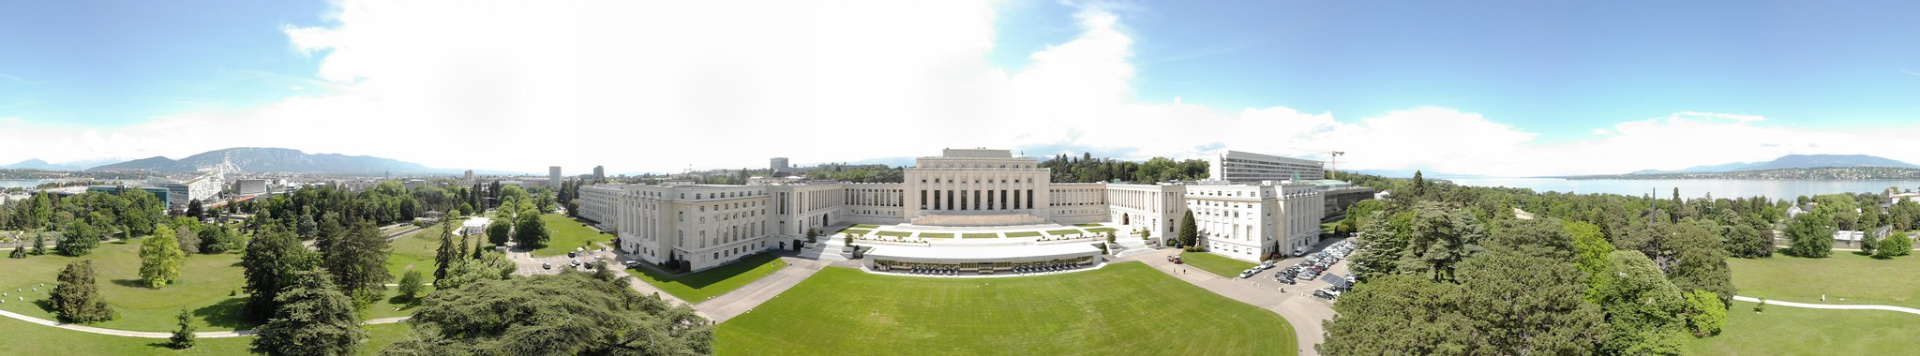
(20,183)
(1694,188)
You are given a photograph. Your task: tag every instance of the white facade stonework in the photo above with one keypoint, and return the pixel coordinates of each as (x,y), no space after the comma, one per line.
(710,225)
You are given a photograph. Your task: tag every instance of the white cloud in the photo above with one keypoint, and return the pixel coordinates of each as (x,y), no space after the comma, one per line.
(658,86)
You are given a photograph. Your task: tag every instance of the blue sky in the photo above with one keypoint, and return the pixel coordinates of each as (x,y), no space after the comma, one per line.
(1546,87)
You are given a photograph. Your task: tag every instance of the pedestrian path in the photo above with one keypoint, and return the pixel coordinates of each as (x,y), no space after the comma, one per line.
(1831,306)
(159,335)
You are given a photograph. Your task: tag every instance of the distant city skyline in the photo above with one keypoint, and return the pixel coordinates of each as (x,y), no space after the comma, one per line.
(1481,88)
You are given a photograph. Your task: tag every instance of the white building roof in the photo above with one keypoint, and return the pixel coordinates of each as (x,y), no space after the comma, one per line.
(983,253)
(477,221)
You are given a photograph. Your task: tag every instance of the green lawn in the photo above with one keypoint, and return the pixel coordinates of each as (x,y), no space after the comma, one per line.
(703,285)
(893,233)
(865,226)
(22,338)
(204,287)
(416,251)
(567,235)
(1799,331)
(1064,232)
(844,311)
(1858,279)
(980,235)
(856,232)
(1220,265)
(1101,230)
(1024,234)
(935,235)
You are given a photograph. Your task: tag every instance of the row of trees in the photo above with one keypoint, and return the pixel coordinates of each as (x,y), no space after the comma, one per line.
(1086,169)
(518,220)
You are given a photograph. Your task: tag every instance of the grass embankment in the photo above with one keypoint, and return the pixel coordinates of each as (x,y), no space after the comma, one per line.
(1217,264)
(700,286)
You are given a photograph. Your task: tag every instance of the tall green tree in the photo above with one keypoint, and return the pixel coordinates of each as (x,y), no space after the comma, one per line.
(189,241)
(1644,309)
(359,263)
(1896,244)
(77,299)
(410,284)
(1591,246)
(78,239)
(160,258)
(1699,260)
(271,259)
(499,232)
(313,319)
(447,253)
(486,267)
(1525,304)
(566,314)
(1398,315)
(1441,238)
(1706,313)
(1811,235)
(531,232)
(1382,241)
(1189,232)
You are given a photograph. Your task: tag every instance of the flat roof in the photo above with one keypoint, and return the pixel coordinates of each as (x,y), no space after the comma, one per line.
(983,253)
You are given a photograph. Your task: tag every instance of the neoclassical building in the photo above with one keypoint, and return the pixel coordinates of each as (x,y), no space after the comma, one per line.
(711,225)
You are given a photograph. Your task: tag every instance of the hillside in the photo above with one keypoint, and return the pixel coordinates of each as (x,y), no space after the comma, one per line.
(256,159)
(1793,162)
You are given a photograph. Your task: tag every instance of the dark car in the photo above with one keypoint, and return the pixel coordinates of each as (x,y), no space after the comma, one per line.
(1174,258)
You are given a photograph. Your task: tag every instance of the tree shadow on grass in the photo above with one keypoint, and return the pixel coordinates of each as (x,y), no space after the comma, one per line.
(134,283)
(230,313)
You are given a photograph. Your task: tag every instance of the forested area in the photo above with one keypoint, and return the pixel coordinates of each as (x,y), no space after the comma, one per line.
(1086,169)
(1449,269)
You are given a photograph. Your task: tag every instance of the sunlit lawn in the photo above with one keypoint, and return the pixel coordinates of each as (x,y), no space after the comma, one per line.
(700,286)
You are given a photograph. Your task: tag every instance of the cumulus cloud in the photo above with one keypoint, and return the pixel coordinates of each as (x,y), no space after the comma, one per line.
(661,86)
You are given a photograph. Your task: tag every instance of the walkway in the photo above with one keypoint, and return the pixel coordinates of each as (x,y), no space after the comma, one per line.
(1831,306)
(743,300)
(159,335)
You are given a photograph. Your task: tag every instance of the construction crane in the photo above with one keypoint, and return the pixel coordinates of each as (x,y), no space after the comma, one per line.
(1333,160)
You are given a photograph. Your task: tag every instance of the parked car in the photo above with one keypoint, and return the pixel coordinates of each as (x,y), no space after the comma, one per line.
(1174,258)
(1248,273)
(571,254)
(544,265)
(1322,294)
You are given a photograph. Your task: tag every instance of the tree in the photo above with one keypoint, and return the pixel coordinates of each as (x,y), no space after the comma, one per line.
(195,211)
(1441,238)
(566,314)
(447,253)
(1421,320)
(499,232)
(1419,185)
(1643,307)
(270,262)
(160,258)
(77,299)
(1111,238)
(1189,232)
(1382,242)
(41,212)
(358,263)
(1706,313)
(183,337)
(1896,244)
(313,319)
(18,253)
(1745,240)
(531,231)
(410,284)
(307,228)
(1521,304)
(39,244)
(489,266)
(78,239)
(812,235)
(1811,235)
(1699,260)
(1591,246)
(189,241)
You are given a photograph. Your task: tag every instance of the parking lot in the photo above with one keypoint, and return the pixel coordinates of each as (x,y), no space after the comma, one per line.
(1311,272)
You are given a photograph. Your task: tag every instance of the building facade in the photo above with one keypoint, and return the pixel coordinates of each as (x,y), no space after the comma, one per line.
(711,225)
(553,177)
(1248,167)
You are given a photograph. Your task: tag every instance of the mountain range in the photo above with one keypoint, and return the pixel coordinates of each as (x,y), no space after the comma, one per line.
(1793,161)
(260,159)
(42,165)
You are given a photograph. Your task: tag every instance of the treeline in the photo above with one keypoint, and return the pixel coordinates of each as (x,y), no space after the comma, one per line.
(1451,269)
(1086,169)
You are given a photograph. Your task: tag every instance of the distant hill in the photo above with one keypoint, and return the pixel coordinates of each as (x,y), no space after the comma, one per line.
(38,164)
(1794,161)
(258,159)
(1408,173)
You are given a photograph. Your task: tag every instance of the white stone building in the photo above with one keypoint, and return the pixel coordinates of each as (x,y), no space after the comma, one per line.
(710,225)
(1248,167)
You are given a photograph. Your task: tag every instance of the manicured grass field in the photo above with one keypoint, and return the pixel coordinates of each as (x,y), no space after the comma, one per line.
(865,226)
(1064,232)
(1220,265)
(203,289)
(1858,279)
(980,235)
(1800,331)
(700,286)
(567,235)
(935,235)
(893,233)
(844,311)
(1101,230)
(1024,234)
(22,338)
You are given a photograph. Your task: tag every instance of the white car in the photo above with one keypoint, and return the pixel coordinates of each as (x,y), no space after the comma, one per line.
(1248,273)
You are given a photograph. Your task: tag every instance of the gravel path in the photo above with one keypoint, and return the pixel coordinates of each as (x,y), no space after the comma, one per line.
(1831,306)
(157,335)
